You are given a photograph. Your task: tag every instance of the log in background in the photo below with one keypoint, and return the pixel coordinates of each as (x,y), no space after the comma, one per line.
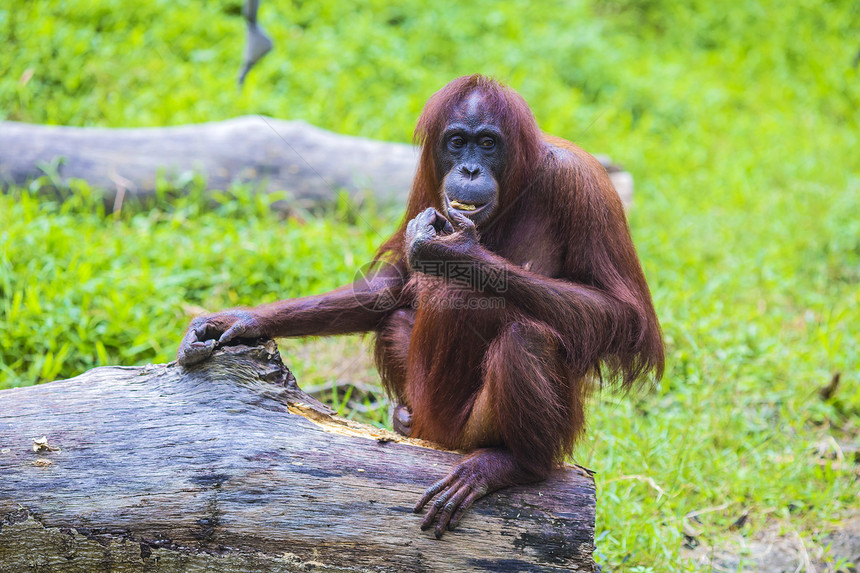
(230,467)
(312,164)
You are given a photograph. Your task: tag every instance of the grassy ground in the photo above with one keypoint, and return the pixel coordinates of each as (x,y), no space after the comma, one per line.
(740,123)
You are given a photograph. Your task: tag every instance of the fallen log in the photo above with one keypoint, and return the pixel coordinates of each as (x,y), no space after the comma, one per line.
(229,467)
(310,163)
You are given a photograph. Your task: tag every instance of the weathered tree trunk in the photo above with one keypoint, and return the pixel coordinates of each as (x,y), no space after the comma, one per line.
(310,163)
(229,467)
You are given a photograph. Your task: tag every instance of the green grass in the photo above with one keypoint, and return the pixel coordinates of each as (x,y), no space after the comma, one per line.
(740,123)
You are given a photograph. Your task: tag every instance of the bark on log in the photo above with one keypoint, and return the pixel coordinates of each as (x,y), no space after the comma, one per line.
(229,467)
(310,163)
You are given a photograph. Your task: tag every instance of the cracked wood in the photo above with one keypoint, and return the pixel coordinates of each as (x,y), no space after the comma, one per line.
(228,466)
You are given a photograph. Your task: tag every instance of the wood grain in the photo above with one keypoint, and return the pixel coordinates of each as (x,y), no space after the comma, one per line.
(230,467)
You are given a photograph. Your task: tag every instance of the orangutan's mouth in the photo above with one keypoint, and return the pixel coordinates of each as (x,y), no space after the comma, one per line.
(467,207)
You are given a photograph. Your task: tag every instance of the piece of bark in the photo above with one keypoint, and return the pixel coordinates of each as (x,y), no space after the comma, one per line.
(312,164)
(228,466)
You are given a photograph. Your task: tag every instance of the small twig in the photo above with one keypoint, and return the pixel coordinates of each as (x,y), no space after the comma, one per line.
(695,532)
(650,481)
(122,186)
(705,510)
(806,562)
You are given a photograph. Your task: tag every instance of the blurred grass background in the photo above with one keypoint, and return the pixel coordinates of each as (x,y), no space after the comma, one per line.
(739,121)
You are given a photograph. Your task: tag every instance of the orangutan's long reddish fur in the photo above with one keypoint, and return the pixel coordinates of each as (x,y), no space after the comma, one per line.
(508,383)
(576,304)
